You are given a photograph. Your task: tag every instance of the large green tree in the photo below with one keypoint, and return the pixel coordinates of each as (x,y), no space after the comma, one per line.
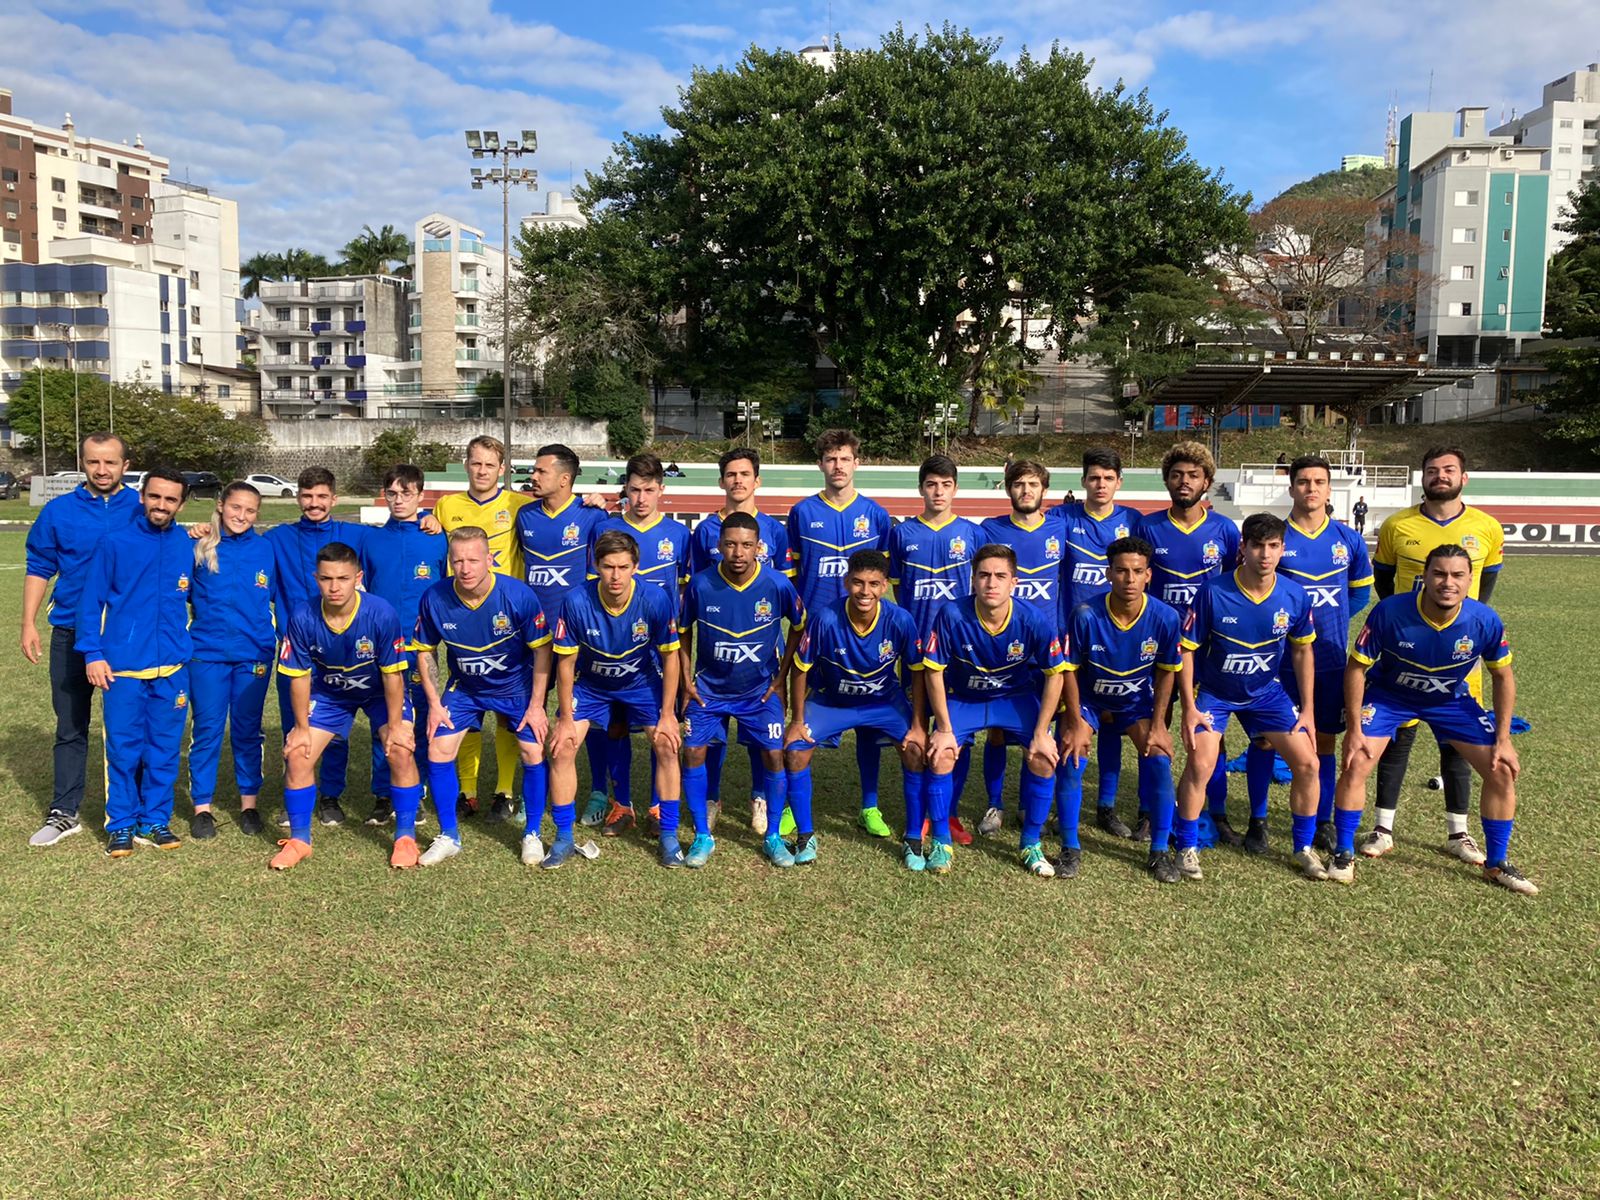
(270,267)
(376,252)
(1572,315)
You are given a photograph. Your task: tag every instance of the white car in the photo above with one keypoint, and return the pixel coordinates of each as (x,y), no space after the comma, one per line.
(270,485)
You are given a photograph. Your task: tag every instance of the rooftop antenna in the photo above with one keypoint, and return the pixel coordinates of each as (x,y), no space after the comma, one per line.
(1430,89)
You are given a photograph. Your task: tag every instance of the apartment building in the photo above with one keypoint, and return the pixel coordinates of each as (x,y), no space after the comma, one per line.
(332,347)
(1566,129)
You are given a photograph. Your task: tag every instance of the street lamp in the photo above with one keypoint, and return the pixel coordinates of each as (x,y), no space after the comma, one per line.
(486,143)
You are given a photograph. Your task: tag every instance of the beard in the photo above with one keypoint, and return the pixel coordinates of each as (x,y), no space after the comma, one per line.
(1442,491)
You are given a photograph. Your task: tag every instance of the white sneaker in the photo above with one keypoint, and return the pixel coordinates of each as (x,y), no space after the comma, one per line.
(1508,876)
(758,815)
(1189,863)
(56,826)
(1342,868)
(1464,848)
(1376,844)
(993,821)
(532,850)
(442,847)
(1310,864)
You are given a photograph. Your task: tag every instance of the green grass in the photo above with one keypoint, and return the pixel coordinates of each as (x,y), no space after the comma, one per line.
(193,1025)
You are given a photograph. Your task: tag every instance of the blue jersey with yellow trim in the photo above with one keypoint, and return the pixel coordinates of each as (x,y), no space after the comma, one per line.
(981,664)
(931,565)
(1039,549)
(1408,655)
(738,647)
(555,547)
(663,550)
(1116,663)
(1239,640)
(846,666)
(1188,558)
(618,650)
(1329,564)
(346,664)
(773,551)
(823,536)
(1083,568)
(490,644)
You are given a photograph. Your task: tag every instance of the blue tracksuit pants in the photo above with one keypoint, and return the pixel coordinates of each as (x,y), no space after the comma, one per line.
(144,720)
(230,694)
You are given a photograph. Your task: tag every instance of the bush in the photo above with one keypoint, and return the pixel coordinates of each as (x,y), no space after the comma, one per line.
(394,446)
(608,392)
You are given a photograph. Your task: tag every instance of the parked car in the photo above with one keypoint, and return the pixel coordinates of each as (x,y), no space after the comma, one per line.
(270,485)
(202,483)
(134,480)
(9,487)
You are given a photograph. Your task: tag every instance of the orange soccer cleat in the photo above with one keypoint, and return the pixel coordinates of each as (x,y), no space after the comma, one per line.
(404,855)
(294,852)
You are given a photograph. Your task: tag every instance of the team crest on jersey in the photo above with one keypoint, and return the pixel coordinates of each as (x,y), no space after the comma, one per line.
(1052,547)
(1147,649)
(1015,651)
(181,700)
(885,650)
(664,550)
(502,624)
(1368,711)
(1469,541)
(763,611)
(641,630)
(958,549)
(261,579)
(569,535)
(1341,555)
(422,571)
(365,649)
(183,583)
(861,527)
(762,553)
(1463,648)
(1122,530)
(502,518)
(1280,621)
(1211,553)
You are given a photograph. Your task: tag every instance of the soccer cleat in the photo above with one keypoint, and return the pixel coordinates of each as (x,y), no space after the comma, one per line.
(786,827)
(442,847)
(777,851)
(56,826)
(594,809)
(1310,864)
(1342,868)
(758,816)
(958,832)
(403,856)
(503,808)
(250,823)
(941,858)
(159,836)
(120,844)
(1377,843)
(618,821)
(911,856)
(292,852)
(1508,876)
(992,822)
(283,820)
(329,812)
(1326,841)
(713,815)
(561,852)
(1067,863)
(653,825)
(1034,861)
(1162,867)
(466,806)
(871,819)
(1108,820)
(671,852)
(699,852)
(1188,863)
(1141,831)
(1227,835)
(1461,845)
(202,826)
(1255,838)
(382,812)
(532,850)
(806,852)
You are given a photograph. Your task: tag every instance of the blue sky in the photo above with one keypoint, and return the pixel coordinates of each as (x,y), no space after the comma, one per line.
(321,116)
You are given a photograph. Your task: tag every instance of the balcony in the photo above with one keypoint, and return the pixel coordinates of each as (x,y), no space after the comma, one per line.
(468,284)
(337,291)
(355,360)
(356,394)
(302,328)
(416,320)
(466,320)
(321,326)
(473,247)
(95,209)
(468,355)
(435,245)
(285,360)
(355,326)
(320,360)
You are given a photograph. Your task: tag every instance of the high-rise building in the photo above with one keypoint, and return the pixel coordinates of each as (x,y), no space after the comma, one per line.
(1566,128)
(1360,162)
(332,347)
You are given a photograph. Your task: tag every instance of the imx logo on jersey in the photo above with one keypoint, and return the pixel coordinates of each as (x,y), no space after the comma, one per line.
(365,648)
(1015,651)
(502,624)
(1463,649)
(861,527)
(1323,595)
(832,566)
(1033,589)
(1251,663)
(1433,685)
(1088,572)
(615,670)
(763,612)
(934,589)
(737,652)
(261,579)
(641,630)
(1341,555)
(1118,688)
(859,687)
(548,577)
(569,535)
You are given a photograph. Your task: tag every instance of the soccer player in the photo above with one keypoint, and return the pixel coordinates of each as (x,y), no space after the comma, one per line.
(1234,639)
(739,477)
(295,546)
(401,560)
(61,542)
(493,508)
(1124,653)
(496,638)
(235,641)
(1412,662)
(132,629)
(1194,546)
(824,530)
(991,663)
(734,668)
(1404,541)
(617,656)
(343,656)
(1037,539)
(1329,560)
(930,565)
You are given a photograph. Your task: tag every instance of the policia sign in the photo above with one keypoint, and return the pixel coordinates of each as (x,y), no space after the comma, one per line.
(1538,535)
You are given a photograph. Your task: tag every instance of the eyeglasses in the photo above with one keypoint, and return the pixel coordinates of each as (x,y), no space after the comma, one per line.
(399,493)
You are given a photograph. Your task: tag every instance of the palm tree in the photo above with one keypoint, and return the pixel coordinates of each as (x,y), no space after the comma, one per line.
(371,252)
(259,269)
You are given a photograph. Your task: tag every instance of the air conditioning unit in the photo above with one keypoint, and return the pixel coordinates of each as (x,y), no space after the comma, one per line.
(11,187)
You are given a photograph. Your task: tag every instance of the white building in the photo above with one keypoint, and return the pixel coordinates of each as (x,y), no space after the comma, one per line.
(1566,129)
(332,347)
(560,212)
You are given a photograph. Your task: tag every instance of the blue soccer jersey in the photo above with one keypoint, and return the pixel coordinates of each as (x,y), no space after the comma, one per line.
(931,565)
(1329,564)
(664,555)
(347,662)
(823,536)
(1115,664)
(490,645)
(1083,567)
(1039,548)
(773,550)
(982,664)
(1408,655)
(845,666)
(738,647)
(1239,640)
(1188,558)
(555,547)
(618,650)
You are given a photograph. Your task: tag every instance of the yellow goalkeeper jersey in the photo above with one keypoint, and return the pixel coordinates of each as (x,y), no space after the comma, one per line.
(1406,537)
(496,516)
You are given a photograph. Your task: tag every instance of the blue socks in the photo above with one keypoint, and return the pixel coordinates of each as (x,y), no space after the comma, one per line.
(777,792)
(1345,823)
(1069,800)
(694,793)
(799,784)
(619,762)
(937,795)
(1185,832)
(958,779)
(535,791)
(300,802)
(1305,831)
(1110,760)
(406,801)
(716,752)
(669,817)
(444,781)
(994,773)
(916,783)
(1497,840)
(869,759)
(1327,776)
(564,815)
(1158,797)
(1034,793)
(1217,787)
(1258,767)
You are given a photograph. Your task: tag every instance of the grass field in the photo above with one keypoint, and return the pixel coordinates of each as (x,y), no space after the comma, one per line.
(191,1024)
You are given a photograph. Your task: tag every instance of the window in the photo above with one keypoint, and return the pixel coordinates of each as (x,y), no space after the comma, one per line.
(282,347)
(325,314)
(1466,198)
(1501,309)
(286,382)
(1563,176)
(1463,237)
(224,392)
(13,237)
(105,162)
(11,209)
(1505,235)
(194,313)
(194,278)
(1462,271)
(13,141)
(280,314)
(324,349)
(1459,308)
(1505,272)
(1563,149)
(1564,123)
(57,185)
(137,202)
(1508,199)
(138,231)
(59,215)
(195,347)
(8,175)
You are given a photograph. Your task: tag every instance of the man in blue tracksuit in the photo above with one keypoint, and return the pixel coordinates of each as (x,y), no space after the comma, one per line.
(400,562)
(60,545)
(294,550)
(133,632)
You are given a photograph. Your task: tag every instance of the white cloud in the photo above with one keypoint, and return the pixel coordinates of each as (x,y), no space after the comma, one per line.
(696,33)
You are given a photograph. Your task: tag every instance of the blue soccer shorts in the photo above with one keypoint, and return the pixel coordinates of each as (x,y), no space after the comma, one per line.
(467,711)
(826,722)
(641,706)
(1327,697)
(1015,716)
(339,719)
(761,722)
(1117,721)
(1457,719)
(1270,712)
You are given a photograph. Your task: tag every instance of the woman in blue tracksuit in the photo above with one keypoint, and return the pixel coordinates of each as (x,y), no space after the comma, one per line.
(234,649)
